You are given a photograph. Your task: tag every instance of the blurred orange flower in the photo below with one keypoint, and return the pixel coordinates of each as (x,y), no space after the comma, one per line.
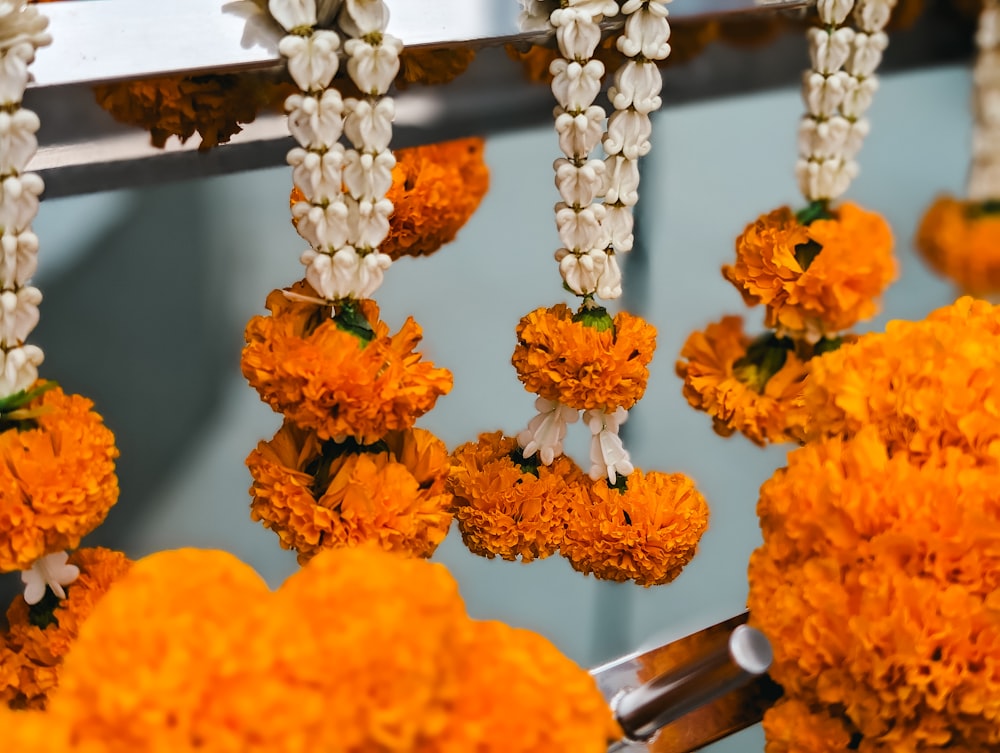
(320,495)
(561,358)
(325,378)
(814,279)
(739,394)
(511,509)
(963,244)
(57,480)
(791,726)
(39,636)
(877,584)
(432,67)
(360,650)
(646,532)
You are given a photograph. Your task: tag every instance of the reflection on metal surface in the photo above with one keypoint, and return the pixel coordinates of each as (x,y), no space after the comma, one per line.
(692,685)
(108,40)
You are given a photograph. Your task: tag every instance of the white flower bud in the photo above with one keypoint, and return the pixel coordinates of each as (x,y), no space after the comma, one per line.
(619,222)
(293,14)
(368,177)
(866,54)
(988,33)
(312,60)
(581,229)
(575,86)
(358,18)
(827,179)
(823,95)
(324,227)
(19,258)
(317,174)
(823,140)
(629,134)
(579,134)
(22,27)
(872,15)
(858,96)
(833,12)
(14,73)
(609,284)
(369,126)
(19,201)
(829,51)
(645,34)
(577,33)
(316,122)
(373,67)
(547,430)
(608,456)
(370,274)
(637,85)
(623,181)
(368,222)
(17,139)
(579,186)
(18,314)
(581,272)
(19,368)
(595,8)
(856,135)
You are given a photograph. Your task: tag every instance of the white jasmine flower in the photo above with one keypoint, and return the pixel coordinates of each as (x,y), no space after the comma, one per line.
(608,455)
(51,571)
(547,430)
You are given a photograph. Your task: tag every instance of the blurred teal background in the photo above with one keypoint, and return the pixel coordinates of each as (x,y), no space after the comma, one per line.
(147,293)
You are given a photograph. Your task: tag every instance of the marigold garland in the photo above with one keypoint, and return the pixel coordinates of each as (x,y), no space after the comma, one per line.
(646,532)
(324,377)
(582,366)
(922,385)
(318,495)
(340,658)
(962,242)
(753,400)
(509,509)
(57,481)
(877,583)
(816,278)
(39,636)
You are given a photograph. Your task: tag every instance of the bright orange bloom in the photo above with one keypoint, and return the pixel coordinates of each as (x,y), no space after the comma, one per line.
(791,726)
(359,651)
(39,636)
(36,732)
(749,399)
(646,534)
(215,106)
(327,379)
(432,67)
(962,244)
(814,279)
(581,366)
(508,510)
(57,480)
(320,495)
(877,584)
(435,190)
(922,385)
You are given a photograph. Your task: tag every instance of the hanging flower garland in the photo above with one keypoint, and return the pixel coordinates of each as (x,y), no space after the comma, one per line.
(619,523)
(961,239)
(817,271)
(401,670)
(57,478)
(347,467)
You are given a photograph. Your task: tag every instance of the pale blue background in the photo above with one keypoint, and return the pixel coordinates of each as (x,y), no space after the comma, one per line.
(714,168)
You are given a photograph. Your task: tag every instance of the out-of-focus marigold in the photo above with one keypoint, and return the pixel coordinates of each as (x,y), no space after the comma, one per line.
(818,278)
(922,385)
(877,585)
(339,658)
(39,636)
(320,495)
(791,726)
(962,242)
(435,190)
(585,367)
(751,396)
(57,478)
(329,379)
(509,507)
(646,532)
(432,67)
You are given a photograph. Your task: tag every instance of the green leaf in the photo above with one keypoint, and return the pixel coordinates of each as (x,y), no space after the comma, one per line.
(350,319)
(827,345)
(19,399)
(764,358)
(817,210)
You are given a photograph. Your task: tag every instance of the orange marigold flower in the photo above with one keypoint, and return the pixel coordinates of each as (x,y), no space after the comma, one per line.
(435,190)
(432,67)
(513,671)
(34,731)
(339,658)
(57,478)
(877,584)
(961,242)
(646,532)
(791,726)
(818,278)
(40,635)
(214,106)
(741,393)
(922,385)
(509,507)
(561,358)
(319,495)
(329,379)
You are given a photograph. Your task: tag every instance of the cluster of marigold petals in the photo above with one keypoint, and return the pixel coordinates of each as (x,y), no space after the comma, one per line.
(39,636)
(325,378)
(582,366)
(735,402)
(317,495)
(339,658)
(877,579)
(57,478)
(962,243)
(816,278)
(514,508)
